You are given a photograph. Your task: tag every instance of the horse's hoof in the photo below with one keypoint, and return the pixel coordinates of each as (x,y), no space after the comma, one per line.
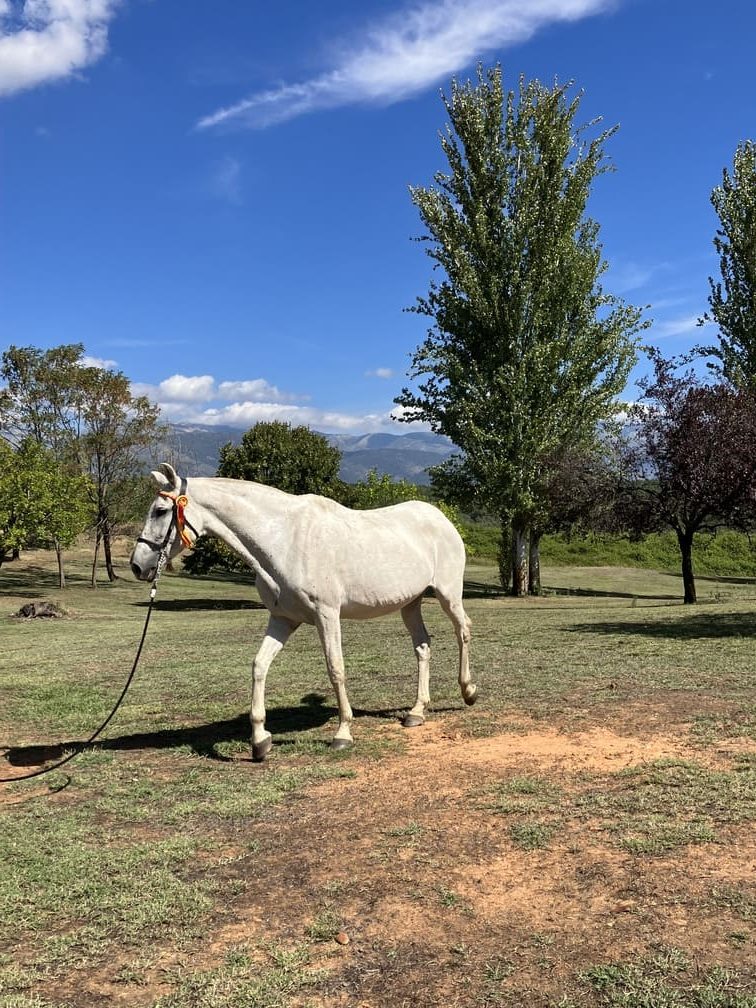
(338,744)
(261,749)
(470,695)
(413,721)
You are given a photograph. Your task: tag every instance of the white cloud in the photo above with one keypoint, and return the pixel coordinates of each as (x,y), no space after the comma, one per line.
(256,390)
(180,388)
(380,372)
(406,53)
(245,414)
(48,40)
(98,362)
(202,400)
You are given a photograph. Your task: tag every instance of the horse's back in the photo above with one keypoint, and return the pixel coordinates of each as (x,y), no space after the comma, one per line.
(377,561)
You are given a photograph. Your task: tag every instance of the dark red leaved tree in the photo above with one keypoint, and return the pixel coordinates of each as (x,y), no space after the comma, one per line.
(688,457)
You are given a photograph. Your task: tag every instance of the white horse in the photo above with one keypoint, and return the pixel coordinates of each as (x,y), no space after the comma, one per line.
(317,562)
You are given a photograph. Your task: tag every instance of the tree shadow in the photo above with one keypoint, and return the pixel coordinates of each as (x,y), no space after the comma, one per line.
(599,593)
(720,579)
(197,604)
(480,589)
(203,739)
(696,626)
(32,582)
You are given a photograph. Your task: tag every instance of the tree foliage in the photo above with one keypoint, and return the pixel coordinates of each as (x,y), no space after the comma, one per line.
(40,503)
(688,458)
(294,459)
(84,419)
(117,429)
(732,300)
(526,352)
(41,398)
(380,491)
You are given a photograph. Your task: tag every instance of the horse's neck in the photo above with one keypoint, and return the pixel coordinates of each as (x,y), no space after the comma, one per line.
(248,517)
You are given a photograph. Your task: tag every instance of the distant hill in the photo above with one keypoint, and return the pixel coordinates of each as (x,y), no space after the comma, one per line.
(196,447)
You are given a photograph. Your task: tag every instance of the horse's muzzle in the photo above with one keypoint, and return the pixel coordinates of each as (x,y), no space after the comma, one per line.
(144,571)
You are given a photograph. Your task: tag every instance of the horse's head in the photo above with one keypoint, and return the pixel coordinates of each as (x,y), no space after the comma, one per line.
(165,529)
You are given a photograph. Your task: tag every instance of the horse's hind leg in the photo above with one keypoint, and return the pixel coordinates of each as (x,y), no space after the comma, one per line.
(278,632)
(329,630)
(454,609)
(413,620)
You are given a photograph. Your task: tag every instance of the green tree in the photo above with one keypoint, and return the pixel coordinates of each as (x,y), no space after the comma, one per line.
(117,429)
(294,459)
(86,418)
(526,352)
(732,299)
(40,502)
(380,491)
(40,400)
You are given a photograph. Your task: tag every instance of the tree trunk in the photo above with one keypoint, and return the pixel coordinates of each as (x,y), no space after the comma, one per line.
(108,556)
(534,564)
(61,573)
(93,580)
(16,553)
(520,548)
(685,541)
(505,552)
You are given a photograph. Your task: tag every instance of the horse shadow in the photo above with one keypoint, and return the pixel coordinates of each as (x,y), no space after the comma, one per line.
(203,739)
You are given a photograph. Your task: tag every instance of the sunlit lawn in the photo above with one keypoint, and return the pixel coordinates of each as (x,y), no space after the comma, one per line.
(104,864)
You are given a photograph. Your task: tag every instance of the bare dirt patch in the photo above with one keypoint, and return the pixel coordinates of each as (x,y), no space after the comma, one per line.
(411,862)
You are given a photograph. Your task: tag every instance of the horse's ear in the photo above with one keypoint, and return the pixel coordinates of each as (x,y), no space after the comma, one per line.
(166,478)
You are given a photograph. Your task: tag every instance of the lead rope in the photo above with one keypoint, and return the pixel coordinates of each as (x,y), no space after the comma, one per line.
(162,559)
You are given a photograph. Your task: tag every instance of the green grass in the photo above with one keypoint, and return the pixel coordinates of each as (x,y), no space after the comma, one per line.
(531,835)
(244,982)
(651,809)
(727,554)
(132,846)
(668,980)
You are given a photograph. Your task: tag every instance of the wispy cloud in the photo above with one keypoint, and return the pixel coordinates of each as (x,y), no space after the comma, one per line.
(677,326)
(404,54)
(380,372)
(225,180)
(49,40)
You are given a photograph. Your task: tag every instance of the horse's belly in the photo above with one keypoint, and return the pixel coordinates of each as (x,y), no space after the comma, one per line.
(383,595)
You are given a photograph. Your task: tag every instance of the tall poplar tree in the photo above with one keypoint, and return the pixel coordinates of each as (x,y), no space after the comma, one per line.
(732,299)
(526,353)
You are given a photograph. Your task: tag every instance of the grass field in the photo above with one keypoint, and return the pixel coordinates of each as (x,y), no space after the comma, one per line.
(583,836)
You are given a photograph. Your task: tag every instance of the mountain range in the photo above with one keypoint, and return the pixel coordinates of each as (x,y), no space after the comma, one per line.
(195,449)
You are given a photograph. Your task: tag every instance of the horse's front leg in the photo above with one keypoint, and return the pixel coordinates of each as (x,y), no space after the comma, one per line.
(329,630)
(278,632)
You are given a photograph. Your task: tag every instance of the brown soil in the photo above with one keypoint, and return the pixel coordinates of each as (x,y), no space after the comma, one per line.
(440,907)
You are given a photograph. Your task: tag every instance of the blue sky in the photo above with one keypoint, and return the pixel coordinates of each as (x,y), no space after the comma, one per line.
(213,197)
